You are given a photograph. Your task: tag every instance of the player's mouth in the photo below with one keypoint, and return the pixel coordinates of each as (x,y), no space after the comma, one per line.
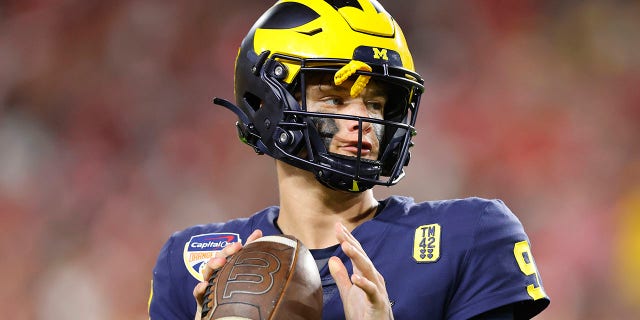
(351,149)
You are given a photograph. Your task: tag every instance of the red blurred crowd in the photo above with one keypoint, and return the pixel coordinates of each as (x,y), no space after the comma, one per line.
(109,141)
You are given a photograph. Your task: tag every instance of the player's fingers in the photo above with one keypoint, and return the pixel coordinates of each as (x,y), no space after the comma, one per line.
(229,250)
(361,262)
(198,292)
(211,265)
(198,315)
(340,275)
(373,292)
(219,259)
(343,234)
(254,235)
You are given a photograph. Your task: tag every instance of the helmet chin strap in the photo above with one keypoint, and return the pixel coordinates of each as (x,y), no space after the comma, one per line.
(364,168)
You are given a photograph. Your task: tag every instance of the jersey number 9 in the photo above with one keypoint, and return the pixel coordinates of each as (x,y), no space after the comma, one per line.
(527,265)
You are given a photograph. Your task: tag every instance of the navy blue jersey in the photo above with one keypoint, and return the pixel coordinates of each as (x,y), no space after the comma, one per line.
(449,259)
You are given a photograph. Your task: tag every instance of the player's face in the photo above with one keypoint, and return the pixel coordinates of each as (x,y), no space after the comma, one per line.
(341,135)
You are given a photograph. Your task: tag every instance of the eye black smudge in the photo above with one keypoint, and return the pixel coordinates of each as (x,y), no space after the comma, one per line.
(379,130)
(327,128)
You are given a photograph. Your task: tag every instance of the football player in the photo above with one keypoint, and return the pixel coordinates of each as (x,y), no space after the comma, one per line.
(328,88)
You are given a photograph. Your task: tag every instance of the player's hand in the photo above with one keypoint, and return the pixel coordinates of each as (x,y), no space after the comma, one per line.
(364,294)
(218,260)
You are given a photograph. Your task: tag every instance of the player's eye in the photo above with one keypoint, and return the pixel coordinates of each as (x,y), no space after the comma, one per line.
(376,108)
(333,101)
(375,105)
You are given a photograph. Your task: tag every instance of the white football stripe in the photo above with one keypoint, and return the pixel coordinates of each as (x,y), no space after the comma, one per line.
(278,239)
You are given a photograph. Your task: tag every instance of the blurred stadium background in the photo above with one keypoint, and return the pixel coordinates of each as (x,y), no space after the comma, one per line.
(109,142)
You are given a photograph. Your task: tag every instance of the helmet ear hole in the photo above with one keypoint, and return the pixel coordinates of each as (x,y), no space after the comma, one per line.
(252,100)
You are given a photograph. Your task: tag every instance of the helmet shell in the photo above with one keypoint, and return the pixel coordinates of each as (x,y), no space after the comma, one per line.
(294,36)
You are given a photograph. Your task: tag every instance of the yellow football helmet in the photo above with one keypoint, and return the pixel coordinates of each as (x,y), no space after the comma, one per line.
(345,38)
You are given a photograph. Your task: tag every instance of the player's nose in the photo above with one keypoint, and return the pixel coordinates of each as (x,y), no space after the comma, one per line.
(358,108)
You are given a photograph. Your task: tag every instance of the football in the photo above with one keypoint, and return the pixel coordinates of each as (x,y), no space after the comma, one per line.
(273,277)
